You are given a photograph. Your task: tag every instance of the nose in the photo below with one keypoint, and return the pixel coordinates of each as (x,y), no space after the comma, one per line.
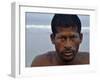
(68,44)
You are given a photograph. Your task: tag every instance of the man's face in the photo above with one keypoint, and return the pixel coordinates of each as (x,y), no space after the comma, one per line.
(66,41)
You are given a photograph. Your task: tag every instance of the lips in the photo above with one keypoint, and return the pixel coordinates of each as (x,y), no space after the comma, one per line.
(68,53)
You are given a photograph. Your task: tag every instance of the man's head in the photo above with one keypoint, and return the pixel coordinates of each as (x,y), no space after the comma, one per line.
(66,35)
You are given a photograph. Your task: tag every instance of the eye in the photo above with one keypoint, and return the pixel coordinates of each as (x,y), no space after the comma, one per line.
(61,38)
(74,37)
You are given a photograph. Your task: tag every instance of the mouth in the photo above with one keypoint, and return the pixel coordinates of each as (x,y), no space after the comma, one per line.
(68,53)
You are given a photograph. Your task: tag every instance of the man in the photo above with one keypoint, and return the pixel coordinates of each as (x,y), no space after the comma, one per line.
(66,37)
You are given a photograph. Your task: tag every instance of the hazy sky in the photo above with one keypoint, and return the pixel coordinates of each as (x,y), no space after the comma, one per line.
(45,19)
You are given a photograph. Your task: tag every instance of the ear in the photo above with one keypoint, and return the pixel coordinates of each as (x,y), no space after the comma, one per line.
(81,37)
(52,38)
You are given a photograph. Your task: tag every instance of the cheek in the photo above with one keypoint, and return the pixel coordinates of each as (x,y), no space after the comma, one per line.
(76,44)
(59,46)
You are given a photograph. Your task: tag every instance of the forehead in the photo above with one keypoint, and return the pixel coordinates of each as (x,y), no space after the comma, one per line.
(69,29)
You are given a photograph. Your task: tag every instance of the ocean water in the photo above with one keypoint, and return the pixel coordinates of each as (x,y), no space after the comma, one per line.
(37,41)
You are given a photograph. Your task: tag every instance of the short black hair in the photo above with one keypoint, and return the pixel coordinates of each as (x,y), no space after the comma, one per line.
(65,20)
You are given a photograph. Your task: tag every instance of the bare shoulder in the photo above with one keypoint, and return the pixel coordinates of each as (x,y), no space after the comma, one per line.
(83,54)
(84,57)
(43,59)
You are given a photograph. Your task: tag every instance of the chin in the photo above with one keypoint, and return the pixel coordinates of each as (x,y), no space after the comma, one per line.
(68,59)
